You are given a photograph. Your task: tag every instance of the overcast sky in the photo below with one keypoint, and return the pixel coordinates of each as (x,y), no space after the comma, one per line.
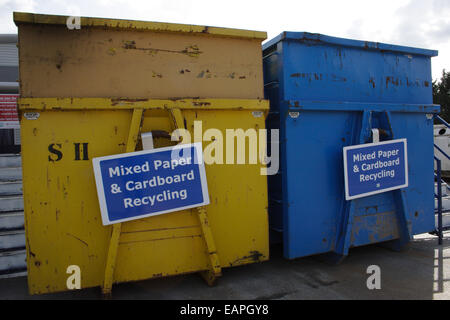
(420,23)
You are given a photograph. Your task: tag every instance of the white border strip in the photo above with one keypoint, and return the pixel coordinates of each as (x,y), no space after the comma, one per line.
(101,195)
(347,196)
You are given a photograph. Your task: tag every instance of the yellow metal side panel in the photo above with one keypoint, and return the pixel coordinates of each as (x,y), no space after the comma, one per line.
(63,223)
(238,193)
(162,245)
(107,63)
(165,245)
(145,104)
(62,217)
(25,17)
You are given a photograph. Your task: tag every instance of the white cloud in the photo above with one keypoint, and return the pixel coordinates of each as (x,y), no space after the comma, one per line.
(6,9)
(426,24)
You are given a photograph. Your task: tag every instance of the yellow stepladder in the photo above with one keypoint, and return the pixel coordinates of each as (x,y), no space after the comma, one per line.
(116,228)
(211,275)
(215,270)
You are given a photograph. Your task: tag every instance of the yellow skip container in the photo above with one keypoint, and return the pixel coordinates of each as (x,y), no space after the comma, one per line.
(90,92)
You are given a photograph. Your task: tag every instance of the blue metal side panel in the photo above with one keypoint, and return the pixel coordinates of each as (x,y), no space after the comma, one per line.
(420,192)
(314,180)
(315,38)
(376,220)
(272,62)
(330,73)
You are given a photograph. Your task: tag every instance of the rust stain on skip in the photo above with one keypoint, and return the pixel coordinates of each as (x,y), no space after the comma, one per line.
(309,76)
(201,104)
(83,242)
(119,101)
(156,74)
(392,80)
(190,51)
(254,256)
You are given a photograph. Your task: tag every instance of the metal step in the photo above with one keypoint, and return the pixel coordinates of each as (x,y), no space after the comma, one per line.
(444,189)
(13,274)
(10,188)
(10,160)
(445,203)
(11,221)
(13,263)
(12,240)
(445,220)
(12,233)
(11,203)
(11,174)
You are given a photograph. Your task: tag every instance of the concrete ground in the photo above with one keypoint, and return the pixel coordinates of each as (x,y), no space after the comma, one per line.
(421,271)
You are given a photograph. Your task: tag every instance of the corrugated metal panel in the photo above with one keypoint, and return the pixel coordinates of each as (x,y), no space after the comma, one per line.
(9,55)
(12,261)
(12,240)
(8,38)
(9,73)
(12,234)
(9,87)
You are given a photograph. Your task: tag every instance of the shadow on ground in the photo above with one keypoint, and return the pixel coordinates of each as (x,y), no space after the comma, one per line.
(421,271)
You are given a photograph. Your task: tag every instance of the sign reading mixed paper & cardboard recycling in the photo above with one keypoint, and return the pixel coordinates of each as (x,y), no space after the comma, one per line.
(375,168)
(146,183)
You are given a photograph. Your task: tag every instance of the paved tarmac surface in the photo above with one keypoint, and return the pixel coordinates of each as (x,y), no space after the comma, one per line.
(421,271)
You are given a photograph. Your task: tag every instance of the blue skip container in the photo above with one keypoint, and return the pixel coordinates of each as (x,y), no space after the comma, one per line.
(328,93)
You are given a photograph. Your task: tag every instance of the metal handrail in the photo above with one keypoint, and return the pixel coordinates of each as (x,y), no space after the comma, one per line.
(442,121)
(439,197)
(438,176)
(442,151)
